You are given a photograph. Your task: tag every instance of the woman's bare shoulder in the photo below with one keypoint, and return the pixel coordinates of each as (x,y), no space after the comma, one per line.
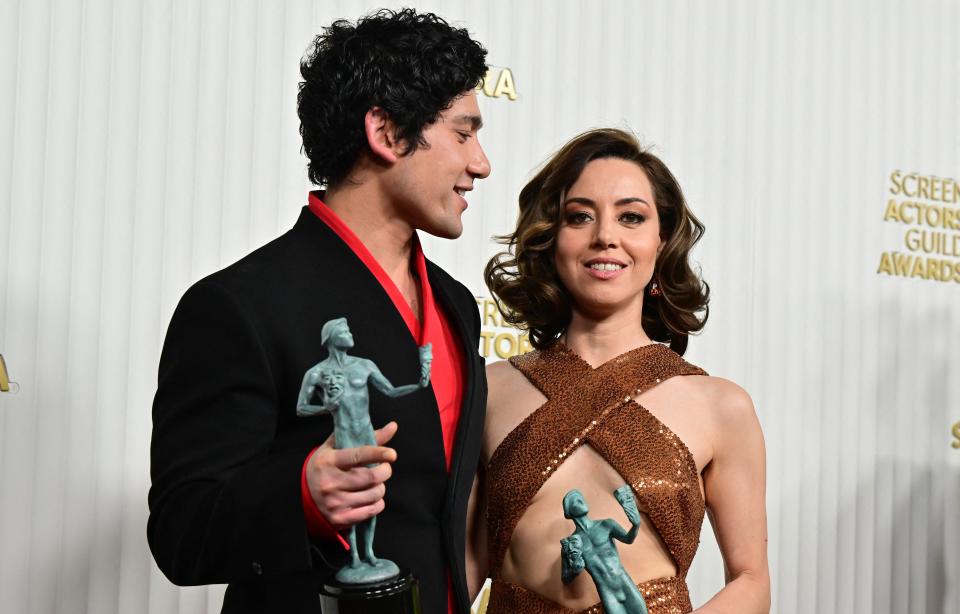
(510,398)
(727,405)
(503,380)
(726,393)
(500,370)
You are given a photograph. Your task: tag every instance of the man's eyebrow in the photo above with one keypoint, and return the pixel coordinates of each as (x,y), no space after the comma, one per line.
(475,121)
(586,201)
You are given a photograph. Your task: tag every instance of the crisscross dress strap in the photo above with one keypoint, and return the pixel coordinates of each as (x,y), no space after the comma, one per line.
(579,399)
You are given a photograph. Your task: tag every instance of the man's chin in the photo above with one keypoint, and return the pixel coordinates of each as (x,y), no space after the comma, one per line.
(447,231)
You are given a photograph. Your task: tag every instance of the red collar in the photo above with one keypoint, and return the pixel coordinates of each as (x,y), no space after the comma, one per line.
(419,262)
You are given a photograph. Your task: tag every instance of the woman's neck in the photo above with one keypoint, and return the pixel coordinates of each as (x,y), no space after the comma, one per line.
(597,340)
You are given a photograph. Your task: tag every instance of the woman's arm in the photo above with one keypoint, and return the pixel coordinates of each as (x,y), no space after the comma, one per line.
(476,564)
(735,489)
(499,401)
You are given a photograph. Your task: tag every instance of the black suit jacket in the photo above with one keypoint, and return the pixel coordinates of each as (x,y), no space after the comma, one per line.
(228,447)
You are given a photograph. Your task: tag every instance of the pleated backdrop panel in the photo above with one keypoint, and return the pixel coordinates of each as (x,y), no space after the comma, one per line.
(144,145)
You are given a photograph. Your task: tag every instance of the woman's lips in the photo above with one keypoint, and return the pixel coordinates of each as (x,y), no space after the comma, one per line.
(604,269)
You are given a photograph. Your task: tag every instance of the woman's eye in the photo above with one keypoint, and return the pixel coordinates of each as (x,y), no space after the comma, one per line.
(578,217)
(632,218)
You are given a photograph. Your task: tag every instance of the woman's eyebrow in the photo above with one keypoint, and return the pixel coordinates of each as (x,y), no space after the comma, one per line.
(631,199)
(581,200)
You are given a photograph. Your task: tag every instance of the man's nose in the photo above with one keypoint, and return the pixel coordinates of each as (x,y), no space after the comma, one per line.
(479,165)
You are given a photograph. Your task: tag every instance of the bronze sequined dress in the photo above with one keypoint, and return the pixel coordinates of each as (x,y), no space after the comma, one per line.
(596,407)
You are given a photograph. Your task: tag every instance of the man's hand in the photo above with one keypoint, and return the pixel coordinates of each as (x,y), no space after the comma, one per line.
(346,489)
(624,496)
(332,393)
(426,359)
(571,558)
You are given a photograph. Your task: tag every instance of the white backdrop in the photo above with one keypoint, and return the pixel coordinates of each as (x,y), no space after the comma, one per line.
(146,144)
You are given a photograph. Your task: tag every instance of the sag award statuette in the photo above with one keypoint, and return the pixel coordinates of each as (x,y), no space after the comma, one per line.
(591,547)
(338,385)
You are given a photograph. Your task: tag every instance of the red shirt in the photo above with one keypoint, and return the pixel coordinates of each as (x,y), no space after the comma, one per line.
(446,371)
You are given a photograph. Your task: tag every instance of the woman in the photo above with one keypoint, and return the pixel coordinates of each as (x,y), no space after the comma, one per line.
(597,271)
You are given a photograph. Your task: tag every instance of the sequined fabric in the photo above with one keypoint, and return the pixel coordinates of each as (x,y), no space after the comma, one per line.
(663,596)
(596,406)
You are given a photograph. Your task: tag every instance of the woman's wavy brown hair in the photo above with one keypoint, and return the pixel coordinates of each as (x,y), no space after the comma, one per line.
(524,279)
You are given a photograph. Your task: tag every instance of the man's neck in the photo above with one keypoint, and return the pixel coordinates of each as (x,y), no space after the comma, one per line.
(366,212)
(583,522)
(338,356)
(388,237)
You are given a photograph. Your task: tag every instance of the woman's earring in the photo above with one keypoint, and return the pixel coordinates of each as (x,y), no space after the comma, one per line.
(655,289)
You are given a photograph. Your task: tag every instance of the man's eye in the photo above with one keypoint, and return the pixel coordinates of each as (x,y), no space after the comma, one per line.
(463,136)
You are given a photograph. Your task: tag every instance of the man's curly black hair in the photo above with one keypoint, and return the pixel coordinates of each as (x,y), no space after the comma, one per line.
(411,65)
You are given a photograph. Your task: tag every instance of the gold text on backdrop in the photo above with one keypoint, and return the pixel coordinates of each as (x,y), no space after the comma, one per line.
(5,384)
(497,338)
(914,212)
(933,251)
(927,187)
(498,82)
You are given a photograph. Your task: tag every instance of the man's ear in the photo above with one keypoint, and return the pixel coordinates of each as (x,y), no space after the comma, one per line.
(381,135)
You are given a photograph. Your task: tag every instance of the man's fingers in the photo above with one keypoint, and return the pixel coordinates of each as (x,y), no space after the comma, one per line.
(362,498)
(352,516)
(342,502)
(363,455)
(385,433)
(362,478)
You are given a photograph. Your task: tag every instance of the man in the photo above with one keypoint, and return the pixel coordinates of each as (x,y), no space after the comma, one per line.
(591,547)
(245,490)
(342,383)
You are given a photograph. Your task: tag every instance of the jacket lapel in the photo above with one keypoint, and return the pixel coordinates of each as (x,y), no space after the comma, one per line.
(466,444)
